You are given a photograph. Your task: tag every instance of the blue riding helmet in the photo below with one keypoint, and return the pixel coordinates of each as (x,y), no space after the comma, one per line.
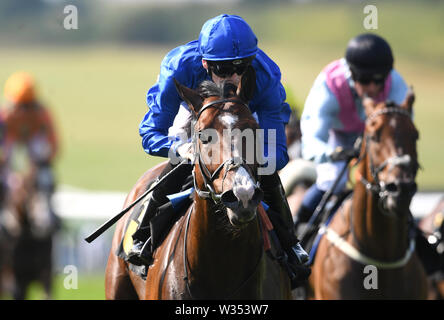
(227,37)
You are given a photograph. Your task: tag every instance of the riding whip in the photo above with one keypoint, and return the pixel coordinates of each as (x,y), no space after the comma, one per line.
(114,219)
(314,219)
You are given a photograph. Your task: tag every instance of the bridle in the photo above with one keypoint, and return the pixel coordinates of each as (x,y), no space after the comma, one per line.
(208,177)
(378,187)
(228,165)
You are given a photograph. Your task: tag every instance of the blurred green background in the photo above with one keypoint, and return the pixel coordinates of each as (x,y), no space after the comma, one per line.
(95,78)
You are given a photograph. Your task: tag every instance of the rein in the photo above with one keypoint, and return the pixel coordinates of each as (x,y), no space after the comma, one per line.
(213,104)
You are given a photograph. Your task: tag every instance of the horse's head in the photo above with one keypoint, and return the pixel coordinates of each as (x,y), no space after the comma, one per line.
(224,139)
(390,141)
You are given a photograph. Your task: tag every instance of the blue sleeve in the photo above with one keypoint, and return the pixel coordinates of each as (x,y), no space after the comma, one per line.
(163,102)
(272,110)
(320,109)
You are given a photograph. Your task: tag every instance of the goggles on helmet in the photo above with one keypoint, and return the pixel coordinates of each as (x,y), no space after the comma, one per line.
(366,79)
(227,68)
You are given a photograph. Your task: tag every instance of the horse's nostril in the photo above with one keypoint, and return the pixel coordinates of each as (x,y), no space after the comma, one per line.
(228,196)
(229,199)
(401,187)
(392,187)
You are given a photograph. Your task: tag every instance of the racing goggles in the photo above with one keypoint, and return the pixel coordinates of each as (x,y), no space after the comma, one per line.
(377,79)
(225,69)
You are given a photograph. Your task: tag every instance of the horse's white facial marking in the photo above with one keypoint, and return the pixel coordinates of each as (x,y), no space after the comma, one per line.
(228,120)
(243,186)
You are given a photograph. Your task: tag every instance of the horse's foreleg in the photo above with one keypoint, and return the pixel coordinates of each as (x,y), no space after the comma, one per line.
(118,285)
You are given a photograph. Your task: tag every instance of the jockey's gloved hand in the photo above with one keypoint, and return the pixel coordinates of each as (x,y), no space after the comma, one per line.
(186,151)
(341,154)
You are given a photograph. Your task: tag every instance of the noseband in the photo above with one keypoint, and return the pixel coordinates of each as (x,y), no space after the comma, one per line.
(379,187)
(228,165)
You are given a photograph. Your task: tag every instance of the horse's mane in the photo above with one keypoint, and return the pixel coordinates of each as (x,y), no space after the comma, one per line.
(225,89)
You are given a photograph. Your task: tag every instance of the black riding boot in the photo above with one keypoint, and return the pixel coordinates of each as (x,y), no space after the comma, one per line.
(274,195)
(141,252)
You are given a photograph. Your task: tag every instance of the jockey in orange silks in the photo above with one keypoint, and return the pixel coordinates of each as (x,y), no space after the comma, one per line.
(27,123)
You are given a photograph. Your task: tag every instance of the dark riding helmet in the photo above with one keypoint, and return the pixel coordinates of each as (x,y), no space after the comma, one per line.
(369,55)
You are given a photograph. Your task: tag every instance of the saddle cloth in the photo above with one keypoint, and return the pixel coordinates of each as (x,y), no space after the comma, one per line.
(160,224)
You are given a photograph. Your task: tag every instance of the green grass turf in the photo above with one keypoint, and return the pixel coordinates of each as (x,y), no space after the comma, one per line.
(89,287)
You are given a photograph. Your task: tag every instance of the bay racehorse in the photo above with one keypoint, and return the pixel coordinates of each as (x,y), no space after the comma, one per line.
(216,249)
(368,250)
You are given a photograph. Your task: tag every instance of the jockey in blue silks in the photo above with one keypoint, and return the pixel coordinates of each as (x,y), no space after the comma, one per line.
(225,48)
(333,115)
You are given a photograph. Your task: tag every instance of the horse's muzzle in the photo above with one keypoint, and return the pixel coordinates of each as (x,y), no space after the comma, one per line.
(397,195)
(238,213)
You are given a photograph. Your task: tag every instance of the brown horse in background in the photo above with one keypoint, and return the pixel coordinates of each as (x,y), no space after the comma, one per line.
(216,249)
(372,228)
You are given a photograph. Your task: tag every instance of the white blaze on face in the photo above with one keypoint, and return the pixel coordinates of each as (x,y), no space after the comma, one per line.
(228,120)
(244,186)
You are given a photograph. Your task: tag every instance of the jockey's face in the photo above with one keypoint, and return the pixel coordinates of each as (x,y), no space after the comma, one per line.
(371,89)
(370,85)
(234,78)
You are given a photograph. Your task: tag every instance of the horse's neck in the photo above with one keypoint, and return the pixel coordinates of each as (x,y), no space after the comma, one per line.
(215,253)
(208,225)
(377,234)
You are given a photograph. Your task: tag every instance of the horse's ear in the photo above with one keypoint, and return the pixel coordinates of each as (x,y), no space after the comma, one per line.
(369,105)
(247,85)
(191,97)
(409,100)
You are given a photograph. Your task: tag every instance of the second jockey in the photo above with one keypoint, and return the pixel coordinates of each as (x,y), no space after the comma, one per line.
(334,116)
